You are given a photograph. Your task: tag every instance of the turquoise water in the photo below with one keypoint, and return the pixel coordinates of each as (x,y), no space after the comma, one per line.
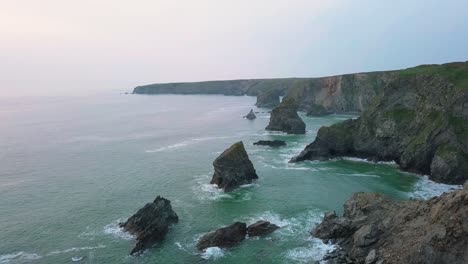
(72,168)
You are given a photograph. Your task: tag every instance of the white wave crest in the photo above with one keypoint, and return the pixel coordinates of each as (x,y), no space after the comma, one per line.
(115,230)
(315,251)
(213,253)
(426,189)
(74,249)
(392,163)
(19,256)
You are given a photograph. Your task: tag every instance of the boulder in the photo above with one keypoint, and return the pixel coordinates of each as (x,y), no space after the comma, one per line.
(233,168)
(271,143)
(250,115)
(224,237)
(261,228)
(151,223)
(376,229)
(285,118)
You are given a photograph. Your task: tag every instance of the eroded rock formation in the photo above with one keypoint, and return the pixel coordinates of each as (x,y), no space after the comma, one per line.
(250,115)
(151,223)
(285,118)
(224,237)
(268,99)
(421,123)
(375,229)
(233,168)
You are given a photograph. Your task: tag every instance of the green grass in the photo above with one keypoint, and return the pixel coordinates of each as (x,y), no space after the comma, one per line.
(456,72)
(460,127)
(401,115)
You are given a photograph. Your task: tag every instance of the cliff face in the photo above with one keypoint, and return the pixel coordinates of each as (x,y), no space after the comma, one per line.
(230,87)
(420,120)
(340,94)
(375,229)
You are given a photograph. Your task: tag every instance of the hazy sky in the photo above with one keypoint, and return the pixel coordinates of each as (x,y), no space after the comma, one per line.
(86,46)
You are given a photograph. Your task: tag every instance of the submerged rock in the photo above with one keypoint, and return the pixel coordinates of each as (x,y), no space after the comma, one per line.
(250,115)
(268,99)
(420,123)
(271,143)
(285,118)
(224,237)
(375,229)
(261,228)
(233,168)
(151,223)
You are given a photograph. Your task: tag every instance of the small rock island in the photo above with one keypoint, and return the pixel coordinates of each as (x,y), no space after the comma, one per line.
(250,115)
(285,118)
(232,235)
(150,224)
(233,168)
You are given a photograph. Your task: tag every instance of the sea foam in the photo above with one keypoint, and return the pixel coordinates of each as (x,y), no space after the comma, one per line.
(115,230)
(426,189)
(19,256)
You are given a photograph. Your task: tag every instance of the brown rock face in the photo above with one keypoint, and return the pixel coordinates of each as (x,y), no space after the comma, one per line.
(224,237)
(233,168)
(375,229)
(151,223)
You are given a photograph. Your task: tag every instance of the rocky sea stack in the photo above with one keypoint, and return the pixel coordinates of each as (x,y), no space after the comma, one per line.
(268,99)
(271,143)
(250,115)
(285,118)
(375,229)
(151,223)
(224,237)
(421,123)
(232,235)
(233,168)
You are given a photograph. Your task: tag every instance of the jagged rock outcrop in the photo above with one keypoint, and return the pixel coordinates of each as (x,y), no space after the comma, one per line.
(224,237)
(375,229)
(317,110)
(268,99)
(420,122)
(250,115)
(233,168)
(232,235)
(151,223)
(271,143)
(285,118)
(261,228)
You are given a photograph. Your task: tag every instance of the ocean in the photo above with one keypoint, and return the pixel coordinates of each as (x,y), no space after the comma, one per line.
(72,168)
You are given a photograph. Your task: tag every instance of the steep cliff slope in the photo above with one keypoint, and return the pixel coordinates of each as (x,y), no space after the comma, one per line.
(420,120)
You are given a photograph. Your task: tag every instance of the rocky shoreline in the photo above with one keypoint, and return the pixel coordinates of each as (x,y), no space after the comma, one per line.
(375,229)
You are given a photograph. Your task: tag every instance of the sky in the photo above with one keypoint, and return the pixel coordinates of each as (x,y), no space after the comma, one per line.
(60,47)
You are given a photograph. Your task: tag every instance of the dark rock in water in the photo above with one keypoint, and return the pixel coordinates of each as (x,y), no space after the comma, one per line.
(233,168)
(271,143)
(261,228)
(268,99)
(151,223)
(224,237)
(285,118)
(421,123)
(375,229)
(317,110)
(250,115)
